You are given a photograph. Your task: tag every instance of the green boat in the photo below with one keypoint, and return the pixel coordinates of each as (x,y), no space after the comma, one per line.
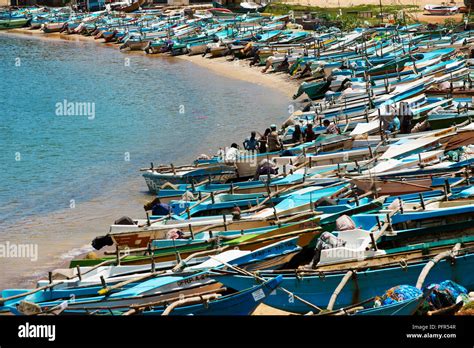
(14,23)
(314,90)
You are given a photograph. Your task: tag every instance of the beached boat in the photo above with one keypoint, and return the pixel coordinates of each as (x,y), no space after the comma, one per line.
(441,10)
(129,8)
(14,23)
(155,178)
(363,284)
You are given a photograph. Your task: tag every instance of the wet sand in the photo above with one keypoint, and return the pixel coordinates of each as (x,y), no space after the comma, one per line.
(240,69)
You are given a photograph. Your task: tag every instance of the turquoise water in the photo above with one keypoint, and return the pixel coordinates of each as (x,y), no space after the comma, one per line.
(146,109)
(162,110)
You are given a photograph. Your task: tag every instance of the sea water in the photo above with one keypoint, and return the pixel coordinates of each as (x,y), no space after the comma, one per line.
(80,119)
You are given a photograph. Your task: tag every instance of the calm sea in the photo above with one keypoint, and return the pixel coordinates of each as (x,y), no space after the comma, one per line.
(79,119)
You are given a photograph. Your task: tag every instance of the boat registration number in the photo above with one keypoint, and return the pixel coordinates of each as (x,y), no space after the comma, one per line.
(258,295)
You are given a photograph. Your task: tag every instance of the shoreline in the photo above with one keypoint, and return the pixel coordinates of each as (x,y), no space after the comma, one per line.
(218,66)
(237,70)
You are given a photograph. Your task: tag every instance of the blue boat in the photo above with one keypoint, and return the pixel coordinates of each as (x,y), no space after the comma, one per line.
(242,303)
(317,289)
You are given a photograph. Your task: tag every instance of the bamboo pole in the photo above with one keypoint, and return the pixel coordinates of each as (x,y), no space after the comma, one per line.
(424,272)
(49,286)
(339,288)
(189,301)
(136,308)
(247,273)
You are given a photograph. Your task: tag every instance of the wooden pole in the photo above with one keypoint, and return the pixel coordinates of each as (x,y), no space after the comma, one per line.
(247,273)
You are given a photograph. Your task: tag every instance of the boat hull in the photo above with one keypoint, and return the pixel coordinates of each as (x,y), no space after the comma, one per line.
(318,289)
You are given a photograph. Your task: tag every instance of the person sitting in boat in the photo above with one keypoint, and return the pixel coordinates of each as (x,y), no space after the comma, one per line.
(394,126)
(309,134)
(406,115)
(232,154)
(421,127)
(387,113)
(273,140)
(331,127)
(266,168)
(297,136)
(251,144)
(262,141)
(306,72)
(347,88)
(329,241)
(236,213)
(175,233)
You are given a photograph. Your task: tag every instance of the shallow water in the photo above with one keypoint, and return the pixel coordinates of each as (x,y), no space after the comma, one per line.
(65,178)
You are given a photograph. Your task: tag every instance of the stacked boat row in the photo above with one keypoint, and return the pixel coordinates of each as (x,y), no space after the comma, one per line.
(367,217)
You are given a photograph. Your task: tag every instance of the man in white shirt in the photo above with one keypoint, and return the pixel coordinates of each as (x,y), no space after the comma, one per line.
(232,153)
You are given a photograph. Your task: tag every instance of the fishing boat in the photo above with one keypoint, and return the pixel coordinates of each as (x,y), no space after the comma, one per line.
(12,23)
(89,282)
(131,7)
(221,236)
(363,284)
(241,303)
(243,242)
(52,27)
(441,10)
(157,177)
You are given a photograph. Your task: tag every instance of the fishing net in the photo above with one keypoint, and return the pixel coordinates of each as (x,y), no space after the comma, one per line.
(443,295)
(397,294)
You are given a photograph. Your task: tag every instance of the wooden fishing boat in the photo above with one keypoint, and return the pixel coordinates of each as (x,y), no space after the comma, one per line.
(141,233)
(245,187)
(52,27)
(245,242)
(91,280)
(157,177)
(318,288)
(242,303)
(130,8)
(393,186)
(14,23)
(441,10)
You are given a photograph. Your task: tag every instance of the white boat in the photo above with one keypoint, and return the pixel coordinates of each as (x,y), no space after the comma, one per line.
(250,5)
(441,10)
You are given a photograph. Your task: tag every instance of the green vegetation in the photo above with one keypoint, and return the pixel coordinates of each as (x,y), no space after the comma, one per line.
(280,8)
(349,17)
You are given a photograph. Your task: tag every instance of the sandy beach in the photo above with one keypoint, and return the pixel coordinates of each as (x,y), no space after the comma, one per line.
(241,70)
(63,251)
